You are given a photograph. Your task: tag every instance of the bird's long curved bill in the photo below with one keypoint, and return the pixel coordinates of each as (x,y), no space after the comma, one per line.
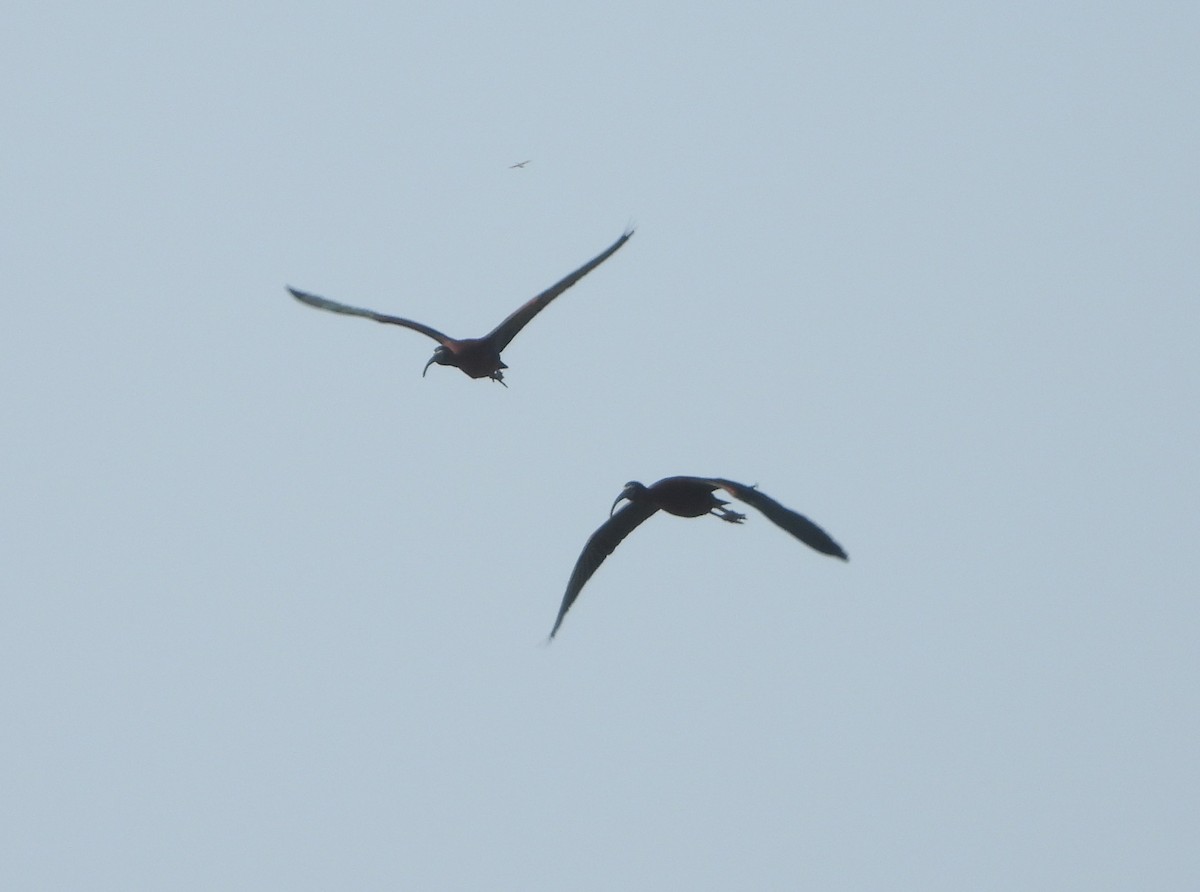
(427,365)
(614,504)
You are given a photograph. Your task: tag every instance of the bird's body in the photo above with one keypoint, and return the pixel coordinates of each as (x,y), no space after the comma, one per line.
(519,164)
(683,497)
(476,357)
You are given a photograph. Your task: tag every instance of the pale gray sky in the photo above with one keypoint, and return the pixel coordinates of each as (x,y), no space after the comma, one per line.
(275,606)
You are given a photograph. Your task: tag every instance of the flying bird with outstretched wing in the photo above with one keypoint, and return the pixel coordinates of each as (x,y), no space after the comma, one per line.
(476,357)
(684,497)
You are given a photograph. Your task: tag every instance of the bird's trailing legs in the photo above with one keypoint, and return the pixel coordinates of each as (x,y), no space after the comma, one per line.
(725,514)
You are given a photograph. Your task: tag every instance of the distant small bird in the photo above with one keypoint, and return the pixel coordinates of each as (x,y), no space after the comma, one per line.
(477,357)
(684,497)
(520,163)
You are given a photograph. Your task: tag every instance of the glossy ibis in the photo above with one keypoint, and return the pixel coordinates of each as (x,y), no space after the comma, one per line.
(519,164)
(685,497)
(477,357)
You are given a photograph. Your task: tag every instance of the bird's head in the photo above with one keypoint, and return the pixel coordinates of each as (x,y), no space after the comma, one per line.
(632,491)
(441,356)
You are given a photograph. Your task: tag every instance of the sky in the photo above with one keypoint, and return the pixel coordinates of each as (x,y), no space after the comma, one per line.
(275,607)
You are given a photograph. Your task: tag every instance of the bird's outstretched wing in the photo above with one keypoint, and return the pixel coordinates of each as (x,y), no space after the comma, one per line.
(600,546)
(322,303)
(510,327)
(796,524)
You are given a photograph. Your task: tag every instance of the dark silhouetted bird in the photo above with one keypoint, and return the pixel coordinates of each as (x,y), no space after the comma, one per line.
(519,164)
(477,357)
(685,497)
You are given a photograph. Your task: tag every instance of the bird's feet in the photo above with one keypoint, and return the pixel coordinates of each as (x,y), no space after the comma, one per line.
(729,516)
(498,376)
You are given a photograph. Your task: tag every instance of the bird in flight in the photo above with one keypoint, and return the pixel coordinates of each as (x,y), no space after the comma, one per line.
(519,164)
(477,357)
(684,497)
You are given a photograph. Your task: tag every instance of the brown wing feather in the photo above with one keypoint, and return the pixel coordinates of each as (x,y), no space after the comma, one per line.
(510,327)
(796,524)
(598,547)
(322,303)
